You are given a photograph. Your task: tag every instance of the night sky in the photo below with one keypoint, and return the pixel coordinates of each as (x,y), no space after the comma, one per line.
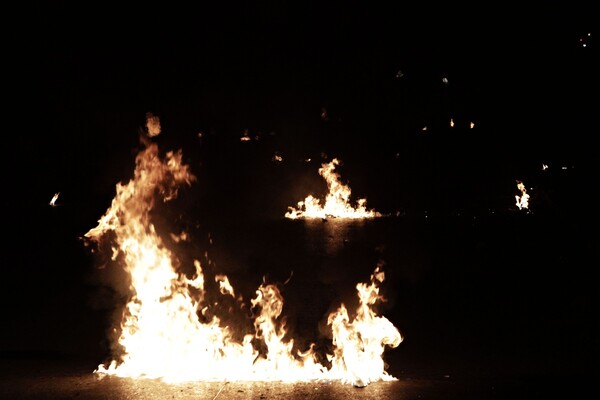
(310,82)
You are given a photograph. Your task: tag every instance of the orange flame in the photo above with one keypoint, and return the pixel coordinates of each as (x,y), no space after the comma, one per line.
(168,330)
(336,203)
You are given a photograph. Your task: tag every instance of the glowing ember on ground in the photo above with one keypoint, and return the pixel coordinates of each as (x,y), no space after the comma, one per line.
(336,202)
(523,200)
(169,331)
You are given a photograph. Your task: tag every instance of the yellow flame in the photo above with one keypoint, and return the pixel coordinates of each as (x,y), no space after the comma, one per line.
(336,202)
(169,331)
(523,200)
(360,342)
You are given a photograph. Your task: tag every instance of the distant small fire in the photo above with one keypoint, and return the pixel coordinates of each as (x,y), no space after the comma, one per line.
(169,331)
(523,199)
(337,202)
(53,199)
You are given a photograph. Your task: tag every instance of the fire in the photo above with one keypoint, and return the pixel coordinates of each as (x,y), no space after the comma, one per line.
(336,202)
(170,331)
(53,199)
(152,124)
(523,200)
(360,342)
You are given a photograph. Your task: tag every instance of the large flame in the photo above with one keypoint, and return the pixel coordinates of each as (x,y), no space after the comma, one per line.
(337,203)
(169,330)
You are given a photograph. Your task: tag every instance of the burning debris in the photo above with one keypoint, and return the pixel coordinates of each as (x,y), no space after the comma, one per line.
(246,136)
(171,331)
(336,202)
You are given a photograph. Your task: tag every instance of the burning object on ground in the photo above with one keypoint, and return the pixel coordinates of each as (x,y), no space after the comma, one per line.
(337,202)
(170,331)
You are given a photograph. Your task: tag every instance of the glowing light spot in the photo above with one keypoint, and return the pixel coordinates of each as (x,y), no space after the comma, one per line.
(53,200)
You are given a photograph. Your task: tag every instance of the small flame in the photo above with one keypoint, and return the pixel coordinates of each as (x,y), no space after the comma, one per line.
(277,157)
(246,136)
(53,200)
(523,200)
(152,124)
(224,285)
(336,203)
(169,330)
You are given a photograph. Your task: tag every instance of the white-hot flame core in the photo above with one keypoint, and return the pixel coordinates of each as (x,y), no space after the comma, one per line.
(523,200)
(360,343)
(54,198)
(337,202)
(168,330)
(152,125)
